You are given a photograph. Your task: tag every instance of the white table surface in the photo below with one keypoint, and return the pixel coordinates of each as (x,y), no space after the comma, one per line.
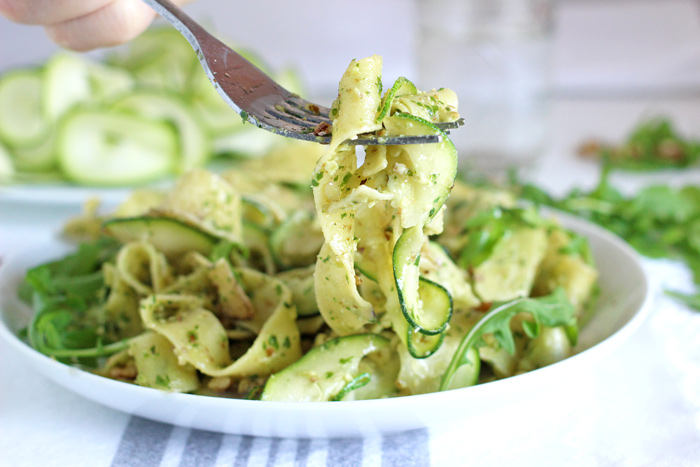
(640,407)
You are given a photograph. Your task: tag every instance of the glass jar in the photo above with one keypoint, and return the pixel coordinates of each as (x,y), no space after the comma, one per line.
(495,54)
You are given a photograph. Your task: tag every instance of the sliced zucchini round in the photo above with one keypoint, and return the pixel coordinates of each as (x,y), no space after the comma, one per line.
(66,83)
(148,46)
(437,164)
(102,147)
(324,372)
(219,119)
(422,345)
(161,58)
(301,282)
(257,244)
(39,158)
(169,236)
(426,305)
(401,86)
(22,121)
(108,82)
(297,241)
(258,213)
(246,142)
(7,168)
(193,142)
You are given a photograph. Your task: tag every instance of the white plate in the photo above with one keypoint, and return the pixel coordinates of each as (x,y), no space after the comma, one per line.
(622,306)
(66,194)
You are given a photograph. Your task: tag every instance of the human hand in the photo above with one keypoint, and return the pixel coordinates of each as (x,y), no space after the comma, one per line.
(83,24)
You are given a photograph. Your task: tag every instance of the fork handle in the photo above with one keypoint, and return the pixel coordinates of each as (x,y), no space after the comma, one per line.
(238,82)
(174,15)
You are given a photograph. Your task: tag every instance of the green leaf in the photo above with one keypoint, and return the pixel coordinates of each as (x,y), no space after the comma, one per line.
(87,259)
(551,310)
(76,274)
(65,295)
(222,249)
(578,246)
(692,235)
(661,203)
(691,300)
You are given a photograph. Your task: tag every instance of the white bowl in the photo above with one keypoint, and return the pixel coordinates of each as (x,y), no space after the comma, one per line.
(622,305)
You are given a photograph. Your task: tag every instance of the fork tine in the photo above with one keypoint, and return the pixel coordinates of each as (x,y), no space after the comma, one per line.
(367,140)
(307,106)
(450,125)
(295,109)
(309,112)
(301,123)
(306,124)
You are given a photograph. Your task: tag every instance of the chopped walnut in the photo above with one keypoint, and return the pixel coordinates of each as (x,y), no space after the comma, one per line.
(670,150)
(400,168)
(322,129)
(220,383)
(590,148)
(248,383)
(127,372)
(358,280)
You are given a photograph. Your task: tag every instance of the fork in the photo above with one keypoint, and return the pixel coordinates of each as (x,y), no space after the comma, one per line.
(257,98)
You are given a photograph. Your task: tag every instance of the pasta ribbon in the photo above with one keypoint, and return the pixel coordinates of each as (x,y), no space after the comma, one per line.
(208,202)
(158,366)
(364,210)
(143,267)
(199,338)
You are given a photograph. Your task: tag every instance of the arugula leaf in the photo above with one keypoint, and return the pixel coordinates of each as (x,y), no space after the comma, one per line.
(65,295)
(551,310)
(88,258)
(692,300)
(578,246)
(226,248)
(64,328)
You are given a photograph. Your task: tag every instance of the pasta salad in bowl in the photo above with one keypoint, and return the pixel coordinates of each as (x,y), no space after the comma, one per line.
(371,280)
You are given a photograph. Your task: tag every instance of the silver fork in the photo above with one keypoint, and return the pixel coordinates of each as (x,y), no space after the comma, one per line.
(259,99)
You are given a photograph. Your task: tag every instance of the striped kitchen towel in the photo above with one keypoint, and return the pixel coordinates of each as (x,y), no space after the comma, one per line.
(146,443)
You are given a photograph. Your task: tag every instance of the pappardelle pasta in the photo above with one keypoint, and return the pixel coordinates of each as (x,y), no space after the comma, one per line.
(363,281)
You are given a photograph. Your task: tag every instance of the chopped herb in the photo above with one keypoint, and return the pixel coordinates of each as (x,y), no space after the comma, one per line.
(163,381)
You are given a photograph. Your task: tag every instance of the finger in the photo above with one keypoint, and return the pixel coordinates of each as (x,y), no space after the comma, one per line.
(115,23)
(48,12)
